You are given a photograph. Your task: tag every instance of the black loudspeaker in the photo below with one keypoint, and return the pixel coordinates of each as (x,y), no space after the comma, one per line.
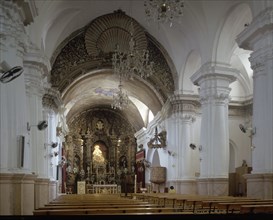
(42,125)
(21,150)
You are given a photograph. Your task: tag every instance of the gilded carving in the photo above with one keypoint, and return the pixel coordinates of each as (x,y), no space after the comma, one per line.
(73,61)
(103,131)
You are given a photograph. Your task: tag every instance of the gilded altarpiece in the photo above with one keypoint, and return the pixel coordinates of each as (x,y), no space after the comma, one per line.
(100,149)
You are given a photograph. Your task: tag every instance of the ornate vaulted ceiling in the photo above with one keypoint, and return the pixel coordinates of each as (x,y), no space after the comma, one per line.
(82,69)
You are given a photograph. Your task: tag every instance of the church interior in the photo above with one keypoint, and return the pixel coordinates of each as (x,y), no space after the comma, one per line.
(132,97)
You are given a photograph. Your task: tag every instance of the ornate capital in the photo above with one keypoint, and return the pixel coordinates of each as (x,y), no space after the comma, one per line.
(260,28)
(183,103)
(259,59)
(33,79)
(34,56)
(222,72)
(214,80)
(52,99)
(188,118)
(220,97)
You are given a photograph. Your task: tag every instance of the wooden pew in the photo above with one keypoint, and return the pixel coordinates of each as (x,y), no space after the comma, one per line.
(231,207)
(104,204)
(103,211)
(193,202)
(145,203)
(89,206)
(96,203)
(257,209)
(91,199)
(222,205)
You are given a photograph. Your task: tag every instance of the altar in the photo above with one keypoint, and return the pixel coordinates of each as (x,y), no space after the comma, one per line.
(103,188)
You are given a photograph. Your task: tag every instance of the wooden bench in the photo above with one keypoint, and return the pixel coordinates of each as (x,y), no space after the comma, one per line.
(257,209)
(231,207)
(54,207)
(222,205)
(103,211)
(148,203)
(197,202)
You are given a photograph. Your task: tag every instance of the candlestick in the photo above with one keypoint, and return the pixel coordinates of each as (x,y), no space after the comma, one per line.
(135,183)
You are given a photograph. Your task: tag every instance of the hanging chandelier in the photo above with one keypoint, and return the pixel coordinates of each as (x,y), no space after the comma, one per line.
(163,11)
(132,62)
(120,99)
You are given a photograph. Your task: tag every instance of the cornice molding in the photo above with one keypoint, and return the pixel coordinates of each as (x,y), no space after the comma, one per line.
(259,26)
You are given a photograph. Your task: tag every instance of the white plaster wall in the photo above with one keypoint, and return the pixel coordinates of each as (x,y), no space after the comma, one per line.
(241,141)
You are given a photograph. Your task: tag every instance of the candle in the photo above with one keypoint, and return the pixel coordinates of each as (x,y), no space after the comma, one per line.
(135,183)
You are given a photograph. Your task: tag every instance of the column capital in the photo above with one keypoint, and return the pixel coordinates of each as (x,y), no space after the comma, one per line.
(34,56)
(183,103)
(33,79)
(260,28)
(221,72)
(214,80)
(36,69)
(52,99)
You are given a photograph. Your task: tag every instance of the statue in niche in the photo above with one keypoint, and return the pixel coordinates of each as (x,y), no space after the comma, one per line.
(62,125)
(98,156)
(123,162)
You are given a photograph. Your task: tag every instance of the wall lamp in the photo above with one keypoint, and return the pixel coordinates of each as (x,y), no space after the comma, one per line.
(192,146)
(54,154)
(244,129)
(53,145)
(42,125)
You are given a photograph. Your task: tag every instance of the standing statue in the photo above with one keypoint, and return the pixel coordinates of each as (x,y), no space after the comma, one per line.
(62,120)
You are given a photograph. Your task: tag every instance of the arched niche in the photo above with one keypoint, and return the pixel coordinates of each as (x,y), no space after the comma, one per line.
(99,154)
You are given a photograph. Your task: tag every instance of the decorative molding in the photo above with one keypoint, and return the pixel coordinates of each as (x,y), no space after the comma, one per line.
(259,59)
(52,99)
(36,57)
(12,27)
(115,26)
(260,25)
(214,71)
(33,79)
(27,11)
(75,59)
(241,111)
(218,98)
(183,107)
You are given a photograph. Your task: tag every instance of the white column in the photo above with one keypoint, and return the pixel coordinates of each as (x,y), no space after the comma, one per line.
(214,80)
(51,105)
(12,94)
(35,109)
(181,156)
(187,172)
(258,38)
